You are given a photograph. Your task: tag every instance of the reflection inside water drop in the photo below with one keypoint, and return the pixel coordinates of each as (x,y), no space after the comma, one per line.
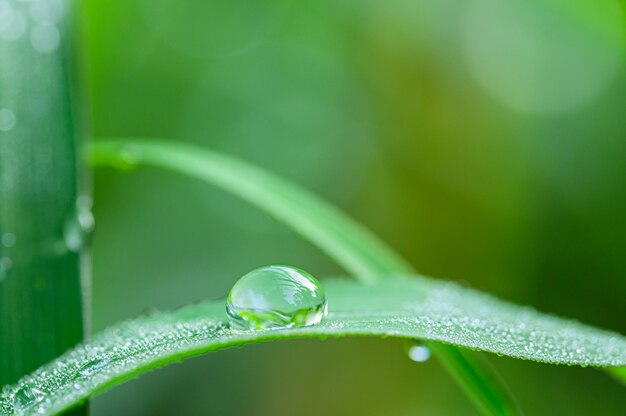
(276,297)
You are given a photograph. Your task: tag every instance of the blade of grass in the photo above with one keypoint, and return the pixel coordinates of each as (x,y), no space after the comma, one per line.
(350,244)
(398,307)
(40,288)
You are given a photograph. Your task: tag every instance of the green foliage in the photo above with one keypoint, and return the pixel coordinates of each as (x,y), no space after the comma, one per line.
(383,304)
(401,307)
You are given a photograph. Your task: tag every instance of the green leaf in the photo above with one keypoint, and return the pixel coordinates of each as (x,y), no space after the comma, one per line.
(354,247)
(400,307)
(360,252)
(40,276)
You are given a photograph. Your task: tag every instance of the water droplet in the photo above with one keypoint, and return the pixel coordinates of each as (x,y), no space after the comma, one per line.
(7,117)
(130,156)
(8,240)
(93,367)
(5,265)
(27,396)
(79,226)
(418,352)
(45,38)
(276,297)
(73,235)
(46,12)
(76,232)
(85,216)
(12,24)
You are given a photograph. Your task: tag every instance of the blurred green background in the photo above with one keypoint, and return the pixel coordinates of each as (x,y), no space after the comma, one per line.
(485,140)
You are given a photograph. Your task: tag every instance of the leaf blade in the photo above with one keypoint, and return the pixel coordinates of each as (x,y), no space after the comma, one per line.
(412,308)
(41,296)
(340,237)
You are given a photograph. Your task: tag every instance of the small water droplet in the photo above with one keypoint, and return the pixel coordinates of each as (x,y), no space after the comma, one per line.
(79,225)
(7,117)
(130,156)
(93,367)
(6,263)
(46,12)
(276,297)
(85,216)
(418,352)
(27,396)
(45,38)
(73,235)
(8,240)
(5,266)
(12,24)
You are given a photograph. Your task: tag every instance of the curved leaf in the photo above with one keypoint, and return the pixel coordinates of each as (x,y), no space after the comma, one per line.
(400,307)
(351,245)
(340,237)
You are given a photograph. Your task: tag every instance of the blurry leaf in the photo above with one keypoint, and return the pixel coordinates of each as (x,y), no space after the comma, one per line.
(400,307)
(341,238)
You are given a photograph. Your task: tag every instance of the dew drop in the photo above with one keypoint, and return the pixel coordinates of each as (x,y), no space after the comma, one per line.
(7,117)
(418,352)
(46,12)
(130,156)
(12,24)
(276,297)
(5,266)
(8,240)
(27,396)
(93,367)
(45,38)
(73,235)
(85,216)
(79,225)
(6,263)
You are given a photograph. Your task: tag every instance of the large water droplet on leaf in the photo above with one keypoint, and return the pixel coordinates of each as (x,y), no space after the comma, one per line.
(276,297)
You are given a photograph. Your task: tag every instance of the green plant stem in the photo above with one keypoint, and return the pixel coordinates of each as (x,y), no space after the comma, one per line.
(350,244)
(41,312)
